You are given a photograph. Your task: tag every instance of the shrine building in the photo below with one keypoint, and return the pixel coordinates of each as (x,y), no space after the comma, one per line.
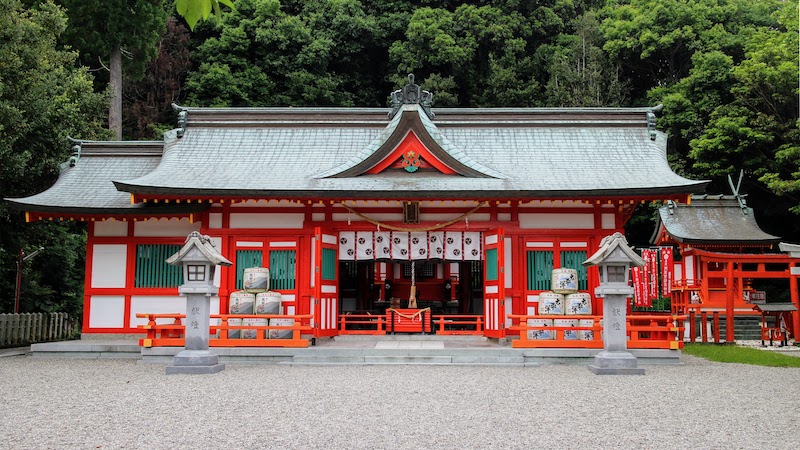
(351,207)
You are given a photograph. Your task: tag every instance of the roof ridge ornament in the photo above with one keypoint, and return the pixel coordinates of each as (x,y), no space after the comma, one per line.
(411,94)
(75,156)
(651,121)
(182,119)
(739,197)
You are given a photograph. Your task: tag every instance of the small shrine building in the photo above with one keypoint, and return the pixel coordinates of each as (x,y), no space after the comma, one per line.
(350,207)
(724,254)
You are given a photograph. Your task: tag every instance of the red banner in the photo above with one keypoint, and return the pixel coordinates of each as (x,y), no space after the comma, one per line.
(666,271)
(654,274)
(638,287)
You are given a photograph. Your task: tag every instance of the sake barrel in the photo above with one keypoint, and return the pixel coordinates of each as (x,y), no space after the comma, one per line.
(281,334)
(241,303)
(564,281)
(580,303)
(569,335)
(268,303)
(540,334)
(256,279)
(586,335)
(234,334)
(253,333)
(551,303)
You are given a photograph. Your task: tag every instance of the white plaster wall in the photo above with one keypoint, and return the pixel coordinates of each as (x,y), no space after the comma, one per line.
(111,228)
(504,217)
(436,217)
(106,311)
(383,217)
(556,221)
(215,220)
(689,266)
(143,304)
(607,221)
(109,265)
(164,227)
(266,220)
(317,217)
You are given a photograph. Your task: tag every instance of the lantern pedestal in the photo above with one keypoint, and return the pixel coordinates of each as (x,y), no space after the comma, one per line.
(614,260)
(199,260)
(615,358)
(196,358)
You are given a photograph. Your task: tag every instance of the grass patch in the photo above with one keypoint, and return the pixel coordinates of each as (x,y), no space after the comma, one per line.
(742,355)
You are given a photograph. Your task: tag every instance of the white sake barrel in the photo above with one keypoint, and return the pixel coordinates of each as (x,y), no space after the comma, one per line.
(569,335)
(586,335)
(281,334)
(256,279)
(551,303)
(564,281)
(580,303)
(540,334)
(268,303)
(253,333)
(241,303)
(234,334)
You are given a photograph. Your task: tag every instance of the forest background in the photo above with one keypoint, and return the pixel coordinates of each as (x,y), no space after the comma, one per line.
(726,72)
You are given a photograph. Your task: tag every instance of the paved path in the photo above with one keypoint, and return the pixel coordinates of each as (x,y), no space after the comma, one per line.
(64,403)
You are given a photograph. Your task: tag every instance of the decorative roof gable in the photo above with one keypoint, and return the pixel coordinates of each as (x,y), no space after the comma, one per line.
(411,130)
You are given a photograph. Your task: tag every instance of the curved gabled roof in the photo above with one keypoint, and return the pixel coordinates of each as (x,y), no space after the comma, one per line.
(85,185)
(413,118)
(324,153)
(716,219)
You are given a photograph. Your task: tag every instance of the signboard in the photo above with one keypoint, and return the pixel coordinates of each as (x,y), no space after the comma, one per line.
(755,297)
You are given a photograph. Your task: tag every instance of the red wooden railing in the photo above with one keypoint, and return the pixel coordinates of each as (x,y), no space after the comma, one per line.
(362,324)
(644,331)
(172,334)
(461,324)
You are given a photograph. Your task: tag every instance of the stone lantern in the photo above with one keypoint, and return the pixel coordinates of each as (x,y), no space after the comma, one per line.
(614,260)
(199,260)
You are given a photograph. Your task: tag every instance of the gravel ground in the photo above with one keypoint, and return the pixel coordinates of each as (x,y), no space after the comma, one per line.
(62,403)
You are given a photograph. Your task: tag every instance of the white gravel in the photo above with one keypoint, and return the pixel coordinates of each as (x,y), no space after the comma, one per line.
(62,403)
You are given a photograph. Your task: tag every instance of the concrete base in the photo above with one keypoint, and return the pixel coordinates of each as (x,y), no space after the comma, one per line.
(615,363)
(194,370)
(195,362)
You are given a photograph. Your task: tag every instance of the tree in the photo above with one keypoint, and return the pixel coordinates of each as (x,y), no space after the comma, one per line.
(147,103)
(325,54)
(194,11)
(43,99)
(580,72)
(111,29)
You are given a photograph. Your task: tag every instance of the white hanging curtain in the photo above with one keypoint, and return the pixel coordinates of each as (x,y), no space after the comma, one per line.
(405,246)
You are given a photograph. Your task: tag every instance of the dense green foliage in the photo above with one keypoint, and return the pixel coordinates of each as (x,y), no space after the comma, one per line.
(43,99)
(741,355)
(726,72)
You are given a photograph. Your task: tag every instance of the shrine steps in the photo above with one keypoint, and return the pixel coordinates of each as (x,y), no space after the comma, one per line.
(358,350)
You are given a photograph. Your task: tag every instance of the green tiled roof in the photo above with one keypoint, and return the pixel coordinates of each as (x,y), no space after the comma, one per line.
(713,219)
(298,152)
(87,186)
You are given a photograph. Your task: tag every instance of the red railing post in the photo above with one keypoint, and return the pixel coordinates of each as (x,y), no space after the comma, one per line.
(704,325)
(692,326)
(715,315)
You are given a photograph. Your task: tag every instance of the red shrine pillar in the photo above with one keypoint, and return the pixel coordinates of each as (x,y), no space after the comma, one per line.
(793,277)
(729,300)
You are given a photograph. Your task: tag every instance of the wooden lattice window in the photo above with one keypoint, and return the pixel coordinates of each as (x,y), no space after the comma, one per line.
(244,260)
(574,260)
(152,271)
(282,269)
(540,269)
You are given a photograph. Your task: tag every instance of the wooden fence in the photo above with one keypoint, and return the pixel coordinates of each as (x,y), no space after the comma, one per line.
(29,328)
